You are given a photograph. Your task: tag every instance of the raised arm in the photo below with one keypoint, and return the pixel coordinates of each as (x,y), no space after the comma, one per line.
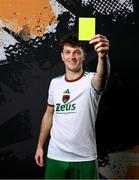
(101,46)
(44,131)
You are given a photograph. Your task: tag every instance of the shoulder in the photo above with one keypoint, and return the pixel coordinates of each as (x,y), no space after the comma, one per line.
(89,74)
(57,79)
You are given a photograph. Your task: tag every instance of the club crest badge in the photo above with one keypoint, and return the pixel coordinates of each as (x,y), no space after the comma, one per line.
(66,96)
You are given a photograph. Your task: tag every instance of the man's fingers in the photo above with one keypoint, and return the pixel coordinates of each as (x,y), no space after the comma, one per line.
(39,161)
(98,38)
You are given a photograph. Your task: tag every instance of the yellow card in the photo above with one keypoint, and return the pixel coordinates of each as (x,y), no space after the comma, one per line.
(86,28)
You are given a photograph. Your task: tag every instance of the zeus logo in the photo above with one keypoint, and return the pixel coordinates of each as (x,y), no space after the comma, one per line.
(65,107)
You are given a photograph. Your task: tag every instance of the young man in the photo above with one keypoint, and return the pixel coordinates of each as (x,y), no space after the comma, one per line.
(71,112)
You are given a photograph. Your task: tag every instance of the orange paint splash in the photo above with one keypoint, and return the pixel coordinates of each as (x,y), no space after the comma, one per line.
(34,14)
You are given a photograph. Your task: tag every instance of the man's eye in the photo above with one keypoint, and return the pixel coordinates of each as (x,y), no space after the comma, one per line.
(67,52)
(78,52)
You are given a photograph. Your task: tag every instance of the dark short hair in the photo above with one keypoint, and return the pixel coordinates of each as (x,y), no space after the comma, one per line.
(72,40)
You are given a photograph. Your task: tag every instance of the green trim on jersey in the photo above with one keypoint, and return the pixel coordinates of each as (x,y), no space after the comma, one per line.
(86,73)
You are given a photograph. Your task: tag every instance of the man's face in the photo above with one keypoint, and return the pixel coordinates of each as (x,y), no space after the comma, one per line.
(73,57)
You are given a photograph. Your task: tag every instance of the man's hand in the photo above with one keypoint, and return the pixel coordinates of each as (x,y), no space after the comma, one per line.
(101,45)
(39,157)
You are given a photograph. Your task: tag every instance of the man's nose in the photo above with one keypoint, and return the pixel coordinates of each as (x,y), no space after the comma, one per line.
(72,56)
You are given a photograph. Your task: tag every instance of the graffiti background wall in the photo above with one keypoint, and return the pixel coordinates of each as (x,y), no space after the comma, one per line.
(30,31)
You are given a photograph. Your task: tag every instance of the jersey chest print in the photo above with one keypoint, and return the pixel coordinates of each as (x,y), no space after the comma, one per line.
(65,106)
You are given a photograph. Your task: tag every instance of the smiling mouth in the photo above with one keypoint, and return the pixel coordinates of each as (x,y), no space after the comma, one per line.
(72,62)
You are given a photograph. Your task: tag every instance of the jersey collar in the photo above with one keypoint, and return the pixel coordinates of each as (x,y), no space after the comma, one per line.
(73,80)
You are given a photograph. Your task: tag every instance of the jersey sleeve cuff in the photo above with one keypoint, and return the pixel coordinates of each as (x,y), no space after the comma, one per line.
(50,105)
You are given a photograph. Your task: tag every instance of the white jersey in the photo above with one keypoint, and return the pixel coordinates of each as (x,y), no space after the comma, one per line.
(75,111)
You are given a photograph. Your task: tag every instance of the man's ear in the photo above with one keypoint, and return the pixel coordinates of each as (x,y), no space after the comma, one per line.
(62,56)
